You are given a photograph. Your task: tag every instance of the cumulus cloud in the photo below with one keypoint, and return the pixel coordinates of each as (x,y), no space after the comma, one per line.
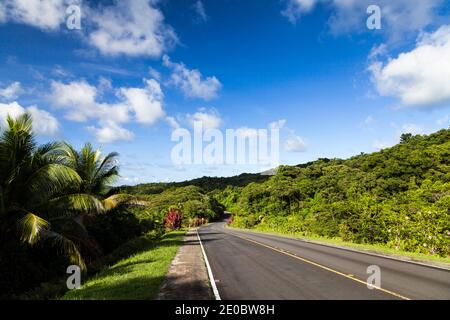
(46,15)
(419,78)
(11,92)
(131,27)
(209,118)
(145,102)
(80,101)
(278,125)
(77,98)
(43,122)
(191,82)
(295,144)
(110,132)
(398,16)
(12,109)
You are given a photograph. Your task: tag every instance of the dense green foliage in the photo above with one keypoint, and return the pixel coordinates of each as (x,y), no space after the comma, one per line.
(54,211)
(192,201)
(205,183)
(399,197)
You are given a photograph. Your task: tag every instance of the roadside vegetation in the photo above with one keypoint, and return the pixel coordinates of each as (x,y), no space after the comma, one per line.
(137,277)
(398,198)
(57,208)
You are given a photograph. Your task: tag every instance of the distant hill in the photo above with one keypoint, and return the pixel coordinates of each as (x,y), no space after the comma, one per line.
(206,183)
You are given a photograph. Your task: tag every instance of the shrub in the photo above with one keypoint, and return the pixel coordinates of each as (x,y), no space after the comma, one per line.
(173,219)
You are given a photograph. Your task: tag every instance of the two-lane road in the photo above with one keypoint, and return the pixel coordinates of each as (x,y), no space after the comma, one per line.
(249,265)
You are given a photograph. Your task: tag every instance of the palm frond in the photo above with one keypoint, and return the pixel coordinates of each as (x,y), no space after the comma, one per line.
(67,247)
(116,200)
(50,180)
(31,227)
(74,204)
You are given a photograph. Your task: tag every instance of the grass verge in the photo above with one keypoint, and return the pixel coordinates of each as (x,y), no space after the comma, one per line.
(370,248)
(137,277)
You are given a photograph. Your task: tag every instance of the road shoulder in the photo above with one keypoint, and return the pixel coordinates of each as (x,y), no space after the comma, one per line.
(187,278)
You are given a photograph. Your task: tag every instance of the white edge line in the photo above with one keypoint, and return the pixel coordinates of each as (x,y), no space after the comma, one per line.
(208,267)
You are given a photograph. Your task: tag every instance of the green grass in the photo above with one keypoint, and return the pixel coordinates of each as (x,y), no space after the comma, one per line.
(371,248)
(137,277)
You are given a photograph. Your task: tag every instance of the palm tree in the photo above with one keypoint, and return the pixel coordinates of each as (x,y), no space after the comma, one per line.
(39,193)
(97,173)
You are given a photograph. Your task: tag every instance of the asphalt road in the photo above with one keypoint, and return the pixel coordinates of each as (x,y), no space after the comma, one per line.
(253,266)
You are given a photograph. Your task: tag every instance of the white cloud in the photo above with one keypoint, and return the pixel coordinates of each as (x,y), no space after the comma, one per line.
(295,144)
(278,125)
(155,74)
(110,132)
(209,118)
(378,51)
(421,76)
(173,123)
(295,8)
(77,97)
(131,27)
(145,102)
(12,109)
(43,122)
(191,82)
(104,84)
(46,15)
(12,91)
(398,16)
(199,9)
(80,100)
(2,13)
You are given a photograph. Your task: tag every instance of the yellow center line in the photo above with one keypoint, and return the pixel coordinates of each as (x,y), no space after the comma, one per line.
(348,276)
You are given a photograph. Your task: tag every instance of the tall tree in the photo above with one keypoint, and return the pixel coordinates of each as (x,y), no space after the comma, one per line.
(39,193)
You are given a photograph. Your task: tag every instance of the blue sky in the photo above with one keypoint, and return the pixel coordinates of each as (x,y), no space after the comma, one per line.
(136,70)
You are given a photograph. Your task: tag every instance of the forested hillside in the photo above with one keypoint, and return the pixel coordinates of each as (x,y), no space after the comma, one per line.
(205,183)
(398,197)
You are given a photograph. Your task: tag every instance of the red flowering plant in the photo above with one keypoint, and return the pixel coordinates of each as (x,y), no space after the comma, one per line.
(173,219)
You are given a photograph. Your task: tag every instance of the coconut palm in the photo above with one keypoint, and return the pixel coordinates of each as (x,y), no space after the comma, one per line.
(39,193)
(96,172)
